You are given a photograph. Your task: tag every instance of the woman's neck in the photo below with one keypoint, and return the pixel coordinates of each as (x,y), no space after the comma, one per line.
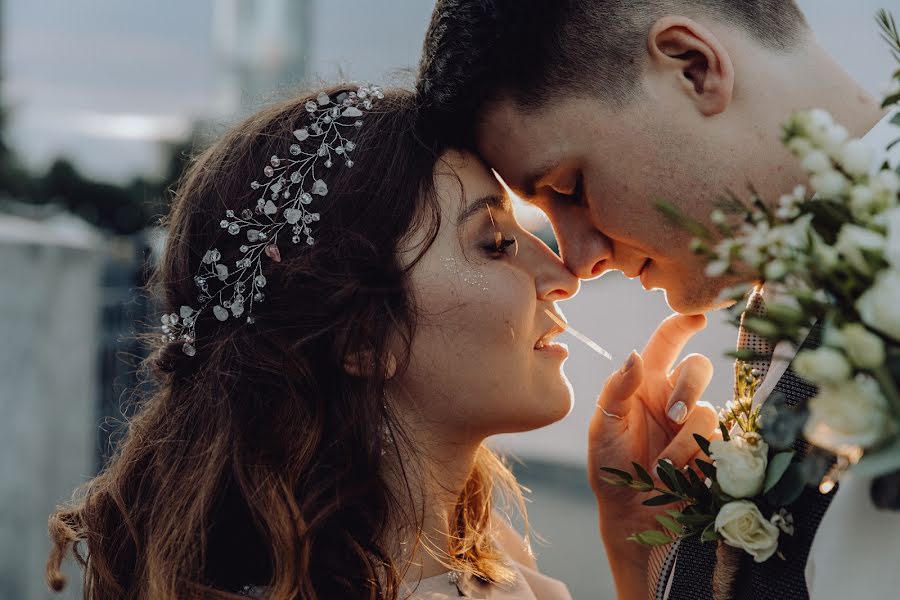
(435,482)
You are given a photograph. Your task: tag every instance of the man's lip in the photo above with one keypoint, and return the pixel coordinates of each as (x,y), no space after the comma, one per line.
(547,338)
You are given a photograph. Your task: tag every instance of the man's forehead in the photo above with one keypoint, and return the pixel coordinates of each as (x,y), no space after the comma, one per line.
(515,143)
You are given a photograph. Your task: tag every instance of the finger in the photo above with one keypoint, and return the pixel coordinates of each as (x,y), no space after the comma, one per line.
(690,379)
(669,340)
(618,391)
(702,421)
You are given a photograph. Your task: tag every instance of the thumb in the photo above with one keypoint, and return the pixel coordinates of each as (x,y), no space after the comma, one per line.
(620,387)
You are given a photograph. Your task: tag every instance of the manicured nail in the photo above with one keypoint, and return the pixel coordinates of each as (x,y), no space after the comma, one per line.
(678,412)
(629,363)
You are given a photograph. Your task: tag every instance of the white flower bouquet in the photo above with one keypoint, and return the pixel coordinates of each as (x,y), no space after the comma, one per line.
(832,254)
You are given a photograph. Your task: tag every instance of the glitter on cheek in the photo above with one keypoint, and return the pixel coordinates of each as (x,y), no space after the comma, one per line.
(466,273)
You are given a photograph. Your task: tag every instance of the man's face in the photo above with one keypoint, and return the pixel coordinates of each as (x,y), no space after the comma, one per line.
(600,172)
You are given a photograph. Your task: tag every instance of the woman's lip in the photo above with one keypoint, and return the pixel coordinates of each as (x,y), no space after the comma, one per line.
(554,349)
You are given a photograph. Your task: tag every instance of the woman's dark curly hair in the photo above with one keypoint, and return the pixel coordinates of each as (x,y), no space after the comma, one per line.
(260,461)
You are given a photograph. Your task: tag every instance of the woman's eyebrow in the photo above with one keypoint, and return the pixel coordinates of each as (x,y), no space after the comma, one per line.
(492,201)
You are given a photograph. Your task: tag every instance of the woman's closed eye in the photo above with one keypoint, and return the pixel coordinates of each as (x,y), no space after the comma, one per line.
(500,245)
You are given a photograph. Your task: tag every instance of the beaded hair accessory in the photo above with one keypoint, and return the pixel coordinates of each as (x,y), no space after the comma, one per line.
(286,193)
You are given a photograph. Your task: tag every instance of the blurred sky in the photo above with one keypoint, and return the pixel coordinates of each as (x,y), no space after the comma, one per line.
(102,81)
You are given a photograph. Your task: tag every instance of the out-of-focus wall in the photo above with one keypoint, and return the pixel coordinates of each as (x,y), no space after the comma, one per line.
(49,294)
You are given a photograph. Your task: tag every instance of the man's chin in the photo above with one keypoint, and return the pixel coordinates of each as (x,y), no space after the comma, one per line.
(686,303)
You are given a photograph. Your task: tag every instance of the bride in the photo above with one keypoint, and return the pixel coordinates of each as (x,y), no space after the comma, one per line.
(351,310)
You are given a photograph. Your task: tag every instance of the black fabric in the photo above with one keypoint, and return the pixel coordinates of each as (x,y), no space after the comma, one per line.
(774,579)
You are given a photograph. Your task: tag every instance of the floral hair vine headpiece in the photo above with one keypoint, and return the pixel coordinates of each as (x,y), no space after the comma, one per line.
(286,194)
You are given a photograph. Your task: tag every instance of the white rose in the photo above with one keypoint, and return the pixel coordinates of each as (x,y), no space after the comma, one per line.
(879,306)
(857,157)
(865,349)
(891,220)
(742,525)
(853,239)
(830,184)
(821,366)
(852,414)
(740,464)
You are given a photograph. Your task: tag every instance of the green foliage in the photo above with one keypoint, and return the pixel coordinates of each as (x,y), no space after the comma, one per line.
(777,466)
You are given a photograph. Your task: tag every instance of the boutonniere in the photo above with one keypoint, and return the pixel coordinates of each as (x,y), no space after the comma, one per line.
(737,498)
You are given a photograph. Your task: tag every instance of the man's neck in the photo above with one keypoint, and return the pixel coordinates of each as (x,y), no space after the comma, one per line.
(820,82)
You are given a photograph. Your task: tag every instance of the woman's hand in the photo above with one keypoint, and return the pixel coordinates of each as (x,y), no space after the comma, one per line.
(647,411)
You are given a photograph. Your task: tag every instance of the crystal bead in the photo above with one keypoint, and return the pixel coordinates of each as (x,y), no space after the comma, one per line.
(296,176)
(263,236)
(306,230)
(350,163)
(296,239)
(319,187)
(301,134)
(252,235)
(220,312)
(314,216)
(250,319)
(292,215)
(352,112)
(165,319)
(297,229)
(186,312)
(270,208)
(268,171)
(286,195)
(362,92)
(164,339)
(295,149)
(234,229)
(323,99)
(276,187)
(323,150)
(367,104)
(189,350)
(254,185)
(227,304)
(358,124)
(261,202)
(311,106)
(328,163)
(260,281)
(305,198)
(229,213)
(246,214)
(307,219)
(339,150)
(275,161)
(211,256)
(223,223)
(221,272)
(273,252)
(237,309)
(259,296)
(310,241)
(327,118)
(349,146)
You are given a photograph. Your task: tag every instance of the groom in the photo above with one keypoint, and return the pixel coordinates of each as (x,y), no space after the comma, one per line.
(594,110)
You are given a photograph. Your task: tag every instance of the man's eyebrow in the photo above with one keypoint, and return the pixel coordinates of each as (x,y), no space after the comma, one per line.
(529,183)
(492,201)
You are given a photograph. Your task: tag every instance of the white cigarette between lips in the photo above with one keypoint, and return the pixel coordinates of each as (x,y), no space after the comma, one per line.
(590,343)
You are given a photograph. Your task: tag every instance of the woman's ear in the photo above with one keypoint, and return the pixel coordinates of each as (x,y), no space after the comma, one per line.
(684,49)
(364,364)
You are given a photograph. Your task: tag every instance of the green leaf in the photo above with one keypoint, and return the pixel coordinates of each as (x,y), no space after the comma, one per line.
(651,537)
(666,473)
(709,533)
(707,468)
(623,475)
(642,473)
(879,462)
(703,443)
(895,120)
(615,482)
(670,524)
(892,99)
(788,488)
(725,435)
(661,500)
(777,466)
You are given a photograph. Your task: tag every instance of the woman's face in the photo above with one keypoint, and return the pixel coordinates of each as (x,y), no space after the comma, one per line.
(477,365)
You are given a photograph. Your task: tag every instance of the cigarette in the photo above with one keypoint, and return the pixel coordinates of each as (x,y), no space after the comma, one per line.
(580,336)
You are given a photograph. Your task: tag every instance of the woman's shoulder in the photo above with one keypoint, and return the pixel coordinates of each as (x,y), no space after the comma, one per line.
(511,542)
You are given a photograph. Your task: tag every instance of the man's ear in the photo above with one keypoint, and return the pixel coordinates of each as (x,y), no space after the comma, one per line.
(692,53)
(364,364)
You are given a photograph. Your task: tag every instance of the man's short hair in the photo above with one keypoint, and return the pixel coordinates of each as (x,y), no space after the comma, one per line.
(533,50)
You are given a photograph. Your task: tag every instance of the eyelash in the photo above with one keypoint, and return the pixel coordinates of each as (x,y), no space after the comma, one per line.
(501,246)
(577,195)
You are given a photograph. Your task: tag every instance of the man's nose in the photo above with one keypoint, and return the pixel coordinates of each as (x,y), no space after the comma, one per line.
(585,251)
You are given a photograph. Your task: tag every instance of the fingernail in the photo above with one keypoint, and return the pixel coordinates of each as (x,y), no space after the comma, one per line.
(628,363)
(678,412)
